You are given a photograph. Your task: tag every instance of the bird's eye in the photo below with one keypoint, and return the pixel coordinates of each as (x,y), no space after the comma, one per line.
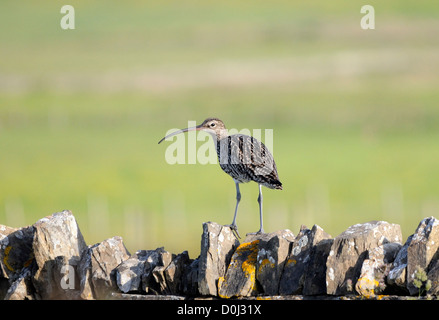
(212,124)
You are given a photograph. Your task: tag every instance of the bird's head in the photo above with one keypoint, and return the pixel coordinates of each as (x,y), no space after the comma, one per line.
(213,126)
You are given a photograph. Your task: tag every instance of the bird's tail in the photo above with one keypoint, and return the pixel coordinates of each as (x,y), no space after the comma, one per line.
(277,185)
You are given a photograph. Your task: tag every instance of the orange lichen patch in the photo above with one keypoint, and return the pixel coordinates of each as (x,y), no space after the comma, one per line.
(266,263)
(291,261)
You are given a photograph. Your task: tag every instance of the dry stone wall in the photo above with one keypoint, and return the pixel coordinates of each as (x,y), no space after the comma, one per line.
(50,260)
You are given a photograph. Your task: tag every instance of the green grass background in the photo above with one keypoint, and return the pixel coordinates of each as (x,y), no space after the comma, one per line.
(355,114)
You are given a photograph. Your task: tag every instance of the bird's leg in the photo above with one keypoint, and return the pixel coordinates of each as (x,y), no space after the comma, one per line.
(261,229)
(233,226)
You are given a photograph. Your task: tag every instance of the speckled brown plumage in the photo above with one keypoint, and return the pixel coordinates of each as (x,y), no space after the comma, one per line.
(246,159)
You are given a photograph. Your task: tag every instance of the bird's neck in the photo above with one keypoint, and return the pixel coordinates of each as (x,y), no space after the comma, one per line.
(221,134)
(218,135)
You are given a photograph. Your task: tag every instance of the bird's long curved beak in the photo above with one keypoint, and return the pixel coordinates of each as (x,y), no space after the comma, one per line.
(197,128)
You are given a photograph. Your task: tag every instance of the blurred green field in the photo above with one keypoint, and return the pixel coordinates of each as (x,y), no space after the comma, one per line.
(355,114)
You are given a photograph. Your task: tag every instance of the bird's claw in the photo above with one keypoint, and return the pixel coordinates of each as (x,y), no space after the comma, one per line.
(234,228)
(261,231)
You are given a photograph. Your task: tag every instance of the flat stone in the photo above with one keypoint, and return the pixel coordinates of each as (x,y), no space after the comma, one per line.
(419,250)
(129,272)
(16,251)
(433,276)
(189,279)
(153,278)
(300,257)
(375,268)
(397,275)
(273,250)
(174,273)
(240,278)
(218,243)
(124,296)
(98,268)
(57,242)
(21,288)
(423,246)
(315,273)
(350,249)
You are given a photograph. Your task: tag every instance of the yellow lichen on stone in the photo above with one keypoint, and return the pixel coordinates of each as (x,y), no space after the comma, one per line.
(266,263)
(243,247)
(222,283)
(242,267)
(249,265)
(5,259)
(366,287)
(291,261)
(263,298)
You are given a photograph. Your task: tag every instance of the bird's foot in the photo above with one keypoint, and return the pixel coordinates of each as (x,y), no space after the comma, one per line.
(261,231)
(234,228)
